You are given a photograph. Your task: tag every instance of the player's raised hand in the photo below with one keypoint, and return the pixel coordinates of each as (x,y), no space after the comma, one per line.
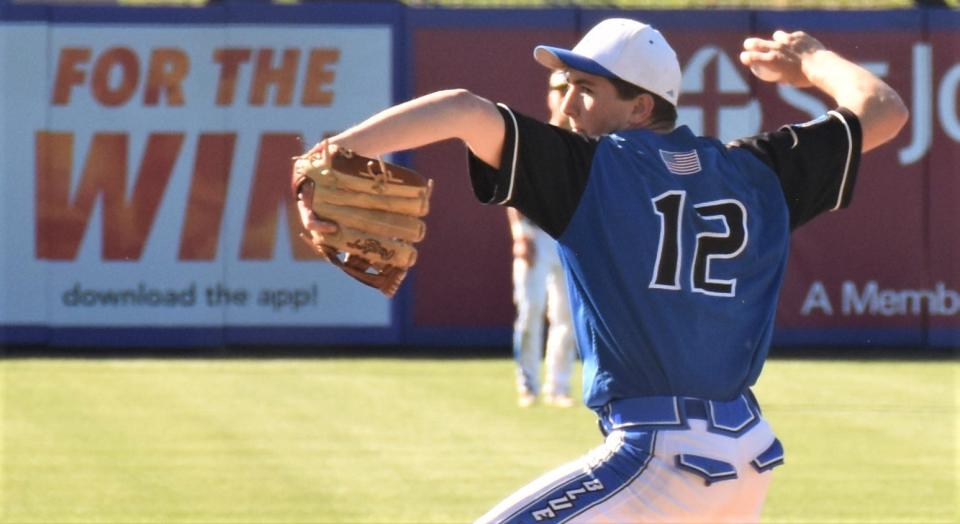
(781,58)
(800,60)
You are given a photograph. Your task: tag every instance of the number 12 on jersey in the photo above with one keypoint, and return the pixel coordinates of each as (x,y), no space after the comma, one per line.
(709,245)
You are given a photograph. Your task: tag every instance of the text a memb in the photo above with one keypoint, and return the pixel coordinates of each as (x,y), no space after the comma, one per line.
(872,300)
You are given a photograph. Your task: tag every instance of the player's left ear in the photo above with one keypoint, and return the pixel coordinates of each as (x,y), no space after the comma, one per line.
(641,110)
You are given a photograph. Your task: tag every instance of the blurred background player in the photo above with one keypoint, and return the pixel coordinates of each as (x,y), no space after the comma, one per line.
(539,287)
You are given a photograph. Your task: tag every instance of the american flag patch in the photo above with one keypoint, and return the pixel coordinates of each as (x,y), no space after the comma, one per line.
(681,162)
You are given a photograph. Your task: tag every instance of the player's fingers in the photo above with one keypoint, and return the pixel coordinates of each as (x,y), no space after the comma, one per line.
(306,214)
(749,58)
(313,223)
(318,147)
(305,191)
(781,36)
(757,44)
(322,227)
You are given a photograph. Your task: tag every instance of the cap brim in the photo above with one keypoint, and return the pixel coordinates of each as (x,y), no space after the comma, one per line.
(557,58)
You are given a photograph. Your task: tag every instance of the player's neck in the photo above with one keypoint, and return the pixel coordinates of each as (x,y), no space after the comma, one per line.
(656,127)
(662,128)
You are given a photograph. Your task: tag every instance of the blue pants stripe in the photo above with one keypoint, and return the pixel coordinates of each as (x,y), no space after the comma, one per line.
(534,498)
(598,482)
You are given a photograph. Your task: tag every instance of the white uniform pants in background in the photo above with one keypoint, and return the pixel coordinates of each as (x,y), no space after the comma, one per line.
(537,289)
(710,464)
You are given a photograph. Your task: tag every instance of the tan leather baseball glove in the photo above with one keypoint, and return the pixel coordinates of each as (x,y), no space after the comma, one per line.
(377,207)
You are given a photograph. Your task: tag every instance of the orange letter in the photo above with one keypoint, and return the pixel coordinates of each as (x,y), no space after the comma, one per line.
(60,226)
(269,192)
(318,76)
(130,75)
(68,73)
(127,224)
(168,67)
(284,77)
(229,60)
(61,223)
(200,235)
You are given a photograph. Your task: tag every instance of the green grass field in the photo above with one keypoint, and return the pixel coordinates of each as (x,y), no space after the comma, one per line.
(423,440)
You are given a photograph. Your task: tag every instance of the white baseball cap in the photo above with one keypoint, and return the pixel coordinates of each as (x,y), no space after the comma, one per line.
(621,48)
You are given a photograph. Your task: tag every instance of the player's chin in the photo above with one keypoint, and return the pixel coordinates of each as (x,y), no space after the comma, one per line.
(583,129)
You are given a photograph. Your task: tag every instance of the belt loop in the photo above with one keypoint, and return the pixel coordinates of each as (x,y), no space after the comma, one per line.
(733,417)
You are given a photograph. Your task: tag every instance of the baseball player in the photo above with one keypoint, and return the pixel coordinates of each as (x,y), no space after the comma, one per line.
(539,286)
(674,247)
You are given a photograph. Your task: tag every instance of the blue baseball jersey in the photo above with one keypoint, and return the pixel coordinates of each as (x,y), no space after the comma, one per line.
(674,245)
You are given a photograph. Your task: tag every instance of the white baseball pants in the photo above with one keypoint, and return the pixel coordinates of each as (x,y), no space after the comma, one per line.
(697,471)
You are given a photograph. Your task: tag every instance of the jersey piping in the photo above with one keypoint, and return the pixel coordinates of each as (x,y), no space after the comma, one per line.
(516,145)
(793,135)
(846,167)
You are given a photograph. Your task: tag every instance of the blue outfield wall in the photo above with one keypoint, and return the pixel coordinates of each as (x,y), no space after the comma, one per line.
(203,255)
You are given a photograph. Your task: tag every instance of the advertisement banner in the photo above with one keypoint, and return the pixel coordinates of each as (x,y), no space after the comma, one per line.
(150,165)
(942,85)
(146,157)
